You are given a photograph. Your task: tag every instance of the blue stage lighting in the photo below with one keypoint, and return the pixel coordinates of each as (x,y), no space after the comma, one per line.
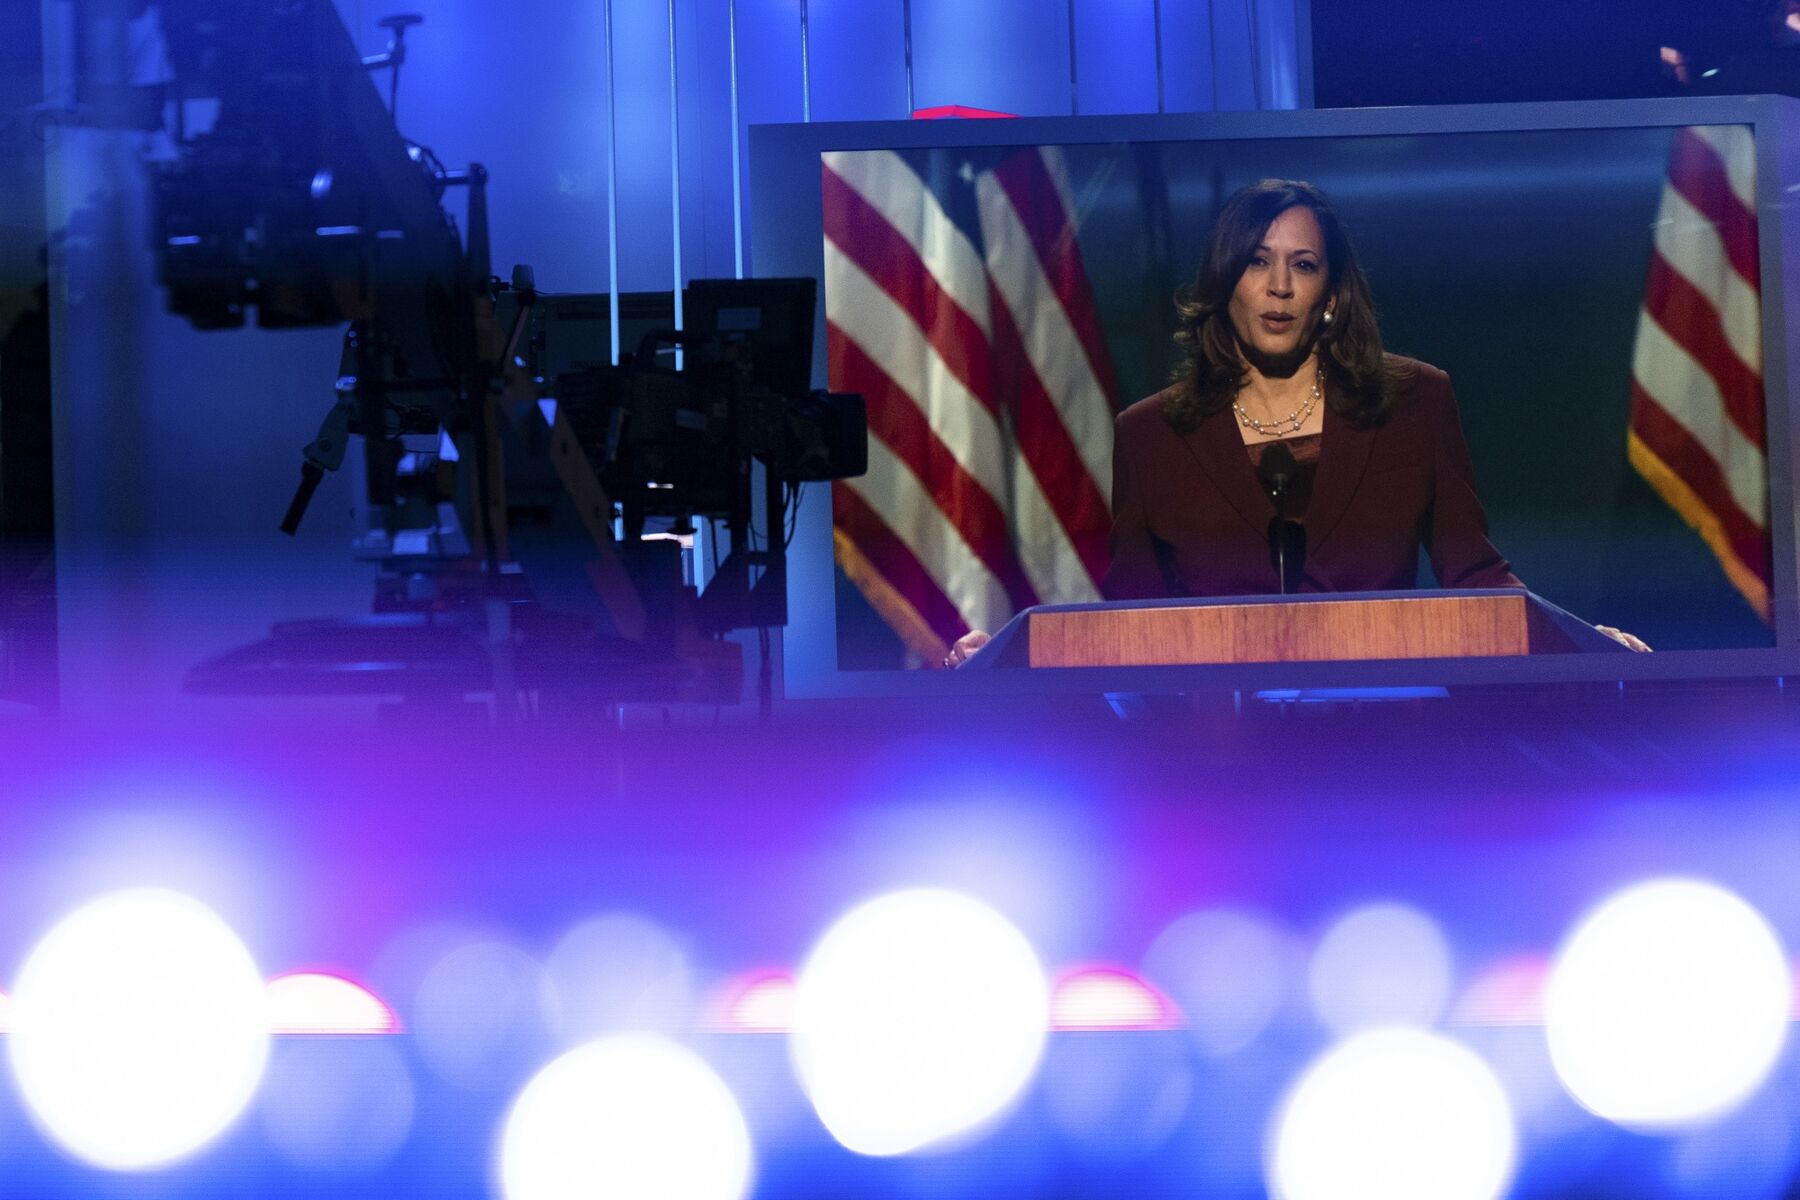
(1383,964)
(1229,970)
(617,972)
(337,1105)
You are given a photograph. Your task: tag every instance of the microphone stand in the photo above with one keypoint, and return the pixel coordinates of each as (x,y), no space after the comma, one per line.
(1276,470)
(1280,556)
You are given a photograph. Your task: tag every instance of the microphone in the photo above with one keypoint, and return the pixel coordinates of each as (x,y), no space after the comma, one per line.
(1277,470)
(1287,539)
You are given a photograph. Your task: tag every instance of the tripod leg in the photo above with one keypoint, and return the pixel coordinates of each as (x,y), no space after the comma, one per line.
(310,475)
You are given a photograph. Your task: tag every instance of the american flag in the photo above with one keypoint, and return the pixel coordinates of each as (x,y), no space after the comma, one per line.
(1698,433)
(957,303)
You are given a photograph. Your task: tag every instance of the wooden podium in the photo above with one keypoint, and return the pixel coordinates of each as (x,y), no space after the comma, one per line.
(1341,627)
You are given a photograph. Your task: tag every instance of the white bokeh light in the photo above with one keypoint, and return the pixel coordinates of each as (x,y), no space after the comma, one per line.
(633,1114)
(1229,970)
(1398,1114)
(478,1012)
(920,1015)
(616,972)
(1668,1005)
(1382,964)
(139,1029)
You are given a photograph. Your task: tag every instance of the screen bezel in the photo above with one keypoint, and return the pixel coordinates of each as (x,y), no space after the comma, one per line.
(787,239)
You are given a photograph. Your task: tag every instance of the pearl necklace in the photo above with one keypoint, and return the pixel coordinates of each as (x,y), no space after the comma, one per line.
(1293,422)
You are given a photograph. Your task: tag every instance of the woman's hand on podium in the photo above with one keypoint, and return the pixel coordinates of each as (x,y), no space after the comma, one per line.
(1629,641)
(965,647)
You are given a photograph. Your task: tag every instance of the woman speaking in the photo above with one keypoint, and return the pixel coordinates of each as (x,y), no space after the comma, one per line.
(1284,355)
(1291,454)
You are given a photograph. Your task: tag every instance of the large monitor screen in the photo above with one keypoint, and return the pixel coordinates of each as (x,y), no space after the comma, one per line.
(1597,291)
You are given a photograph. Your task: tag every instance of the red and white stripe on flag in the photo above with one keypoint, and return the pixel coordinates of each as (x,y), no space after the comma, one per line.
(989,393)
(1698,430)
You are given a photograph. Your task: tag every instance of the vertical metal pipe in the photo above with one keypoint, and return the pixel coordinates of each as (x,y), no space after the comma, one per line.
(1156,18)
(612,186)
(1074,90)
(805,65)
(737,169)
(675,170)
(1256,79)
(1212,48)
(906,45)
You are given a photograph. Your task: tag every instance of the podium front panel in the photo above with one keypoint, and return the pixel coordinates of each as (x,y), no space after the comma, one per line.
(1316,630)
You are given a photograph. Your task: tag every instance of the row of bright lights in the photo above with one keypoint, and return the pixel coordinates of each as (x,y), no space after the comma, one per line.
(1084,999)
(315,1003)
(312,1003)
(305,1003)
(141,1028)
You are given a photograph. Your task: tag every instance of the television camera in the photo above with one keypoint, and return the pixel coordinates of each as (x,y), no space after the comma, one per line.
(303,203)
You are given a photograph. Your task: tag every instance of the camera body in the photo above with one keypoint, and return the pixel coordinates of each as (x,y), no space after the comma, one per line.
(679,444)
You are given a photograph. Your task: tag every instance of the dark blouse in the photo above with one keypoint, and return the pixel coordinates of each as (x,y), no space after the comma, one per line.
(1292,505)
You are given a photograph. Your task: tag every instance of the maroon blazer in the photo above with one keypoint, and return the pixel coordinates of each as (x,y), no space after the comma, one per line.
(1191,519)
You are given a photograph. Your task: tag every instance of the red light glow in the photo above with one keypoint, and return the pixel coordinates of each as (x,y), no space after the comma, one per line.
(940,112)
(1092,998)
(318,1003)
(757,1002)
(1507,993)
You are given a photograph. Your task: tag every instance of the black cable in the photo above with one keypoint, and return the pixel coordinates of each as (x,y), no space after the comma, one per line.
(765,675)
(793,515)
(484,494)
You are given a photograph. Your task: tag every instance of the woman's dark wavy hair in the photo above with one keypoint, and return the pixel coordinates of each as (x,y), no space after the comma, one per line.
(1349,348)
